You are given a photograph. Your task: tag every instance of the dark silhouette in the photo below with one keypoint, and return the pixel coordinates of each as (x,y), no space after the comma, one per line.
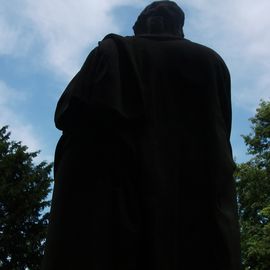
(144,168)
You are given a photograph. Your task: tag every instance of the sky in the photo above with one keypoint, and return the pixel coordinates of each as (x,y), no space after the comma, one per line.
(43,43)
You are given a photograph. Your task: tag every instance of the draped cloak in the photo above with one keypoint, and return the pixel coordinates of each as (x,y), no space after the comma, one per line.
(144,168)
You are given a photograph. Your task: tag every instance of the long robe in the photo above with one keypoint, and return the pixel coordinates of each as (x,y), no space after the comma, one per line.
(144,168)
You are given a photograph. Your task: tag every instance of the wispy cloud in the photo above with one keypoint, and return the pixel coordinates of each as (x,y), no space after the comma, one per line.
(64,29)
(15,30)
(8,37)
(21,130)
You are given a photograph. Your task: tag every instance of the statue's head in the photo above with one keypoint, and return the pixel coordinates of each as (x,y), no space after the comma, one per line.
(160,17)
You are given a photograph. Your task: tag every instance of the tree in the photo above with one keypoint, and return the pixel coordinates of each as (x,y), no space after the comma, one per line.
(24,188)
(253,186)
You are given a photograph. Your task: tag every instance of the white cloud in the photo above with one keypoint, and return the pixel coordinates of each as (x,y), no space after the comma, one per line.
(65,28)
(21,130)
(8,37)
(15,33)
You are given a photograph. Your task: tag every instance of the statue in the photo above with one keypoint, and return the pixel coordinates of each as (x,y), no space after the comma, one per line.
(144,168)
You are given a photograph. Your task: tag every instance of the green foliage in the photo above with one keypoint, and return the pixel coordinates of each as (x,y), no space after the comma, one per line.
(253,186)
(258,141)
(24,187)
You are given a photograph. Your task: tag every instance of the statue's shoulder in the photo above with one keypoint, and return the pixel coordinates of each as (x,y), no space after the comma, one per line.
(116,38)
(205,52)
(114,42)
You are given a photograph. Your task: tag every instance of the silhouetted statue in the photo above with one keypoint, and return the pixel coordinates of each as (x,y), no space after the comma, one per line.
(144,168)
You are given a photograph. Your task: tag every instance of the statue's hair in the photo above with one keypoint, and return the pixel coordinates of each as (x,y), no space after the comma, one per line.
(160,17)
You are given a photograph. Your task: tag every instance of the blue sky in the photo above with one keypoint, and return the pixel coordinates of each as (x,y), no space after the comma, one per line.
(43,43)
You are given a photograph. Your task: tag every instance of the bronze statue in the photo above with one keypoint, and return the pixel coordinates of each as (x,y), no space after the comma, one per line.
(144,168)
